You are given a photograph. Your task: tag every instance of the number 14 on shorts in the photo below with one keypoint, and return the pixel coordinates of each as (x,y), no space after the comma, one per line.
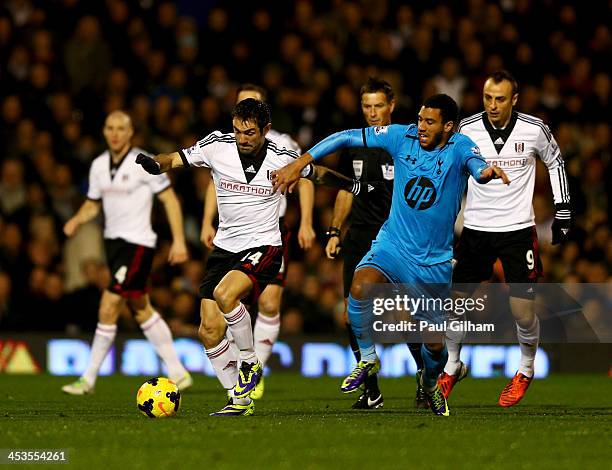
(252,257)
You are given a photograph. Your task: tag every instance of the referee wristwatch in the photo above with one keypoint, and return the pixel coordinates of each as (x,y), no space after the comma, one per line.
(332,232)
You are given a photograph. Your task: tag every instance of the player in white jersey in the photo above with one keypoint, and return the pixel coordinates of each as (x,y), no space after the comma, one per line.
(247,253)
(268,322)
(499,221)
(124,192)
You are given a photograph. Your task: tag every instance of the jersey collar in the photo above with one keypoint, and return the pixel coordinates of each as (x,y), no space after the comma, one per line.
(114,167)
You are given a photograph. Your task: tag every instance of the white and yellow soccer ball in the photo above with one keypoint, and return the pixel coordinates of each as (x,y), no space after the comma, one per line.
(158,398)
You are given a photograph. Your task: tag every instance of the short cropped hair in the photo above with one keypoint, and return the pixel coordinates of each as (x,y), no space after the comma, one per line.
(252,110)
(447,106)
(255,88)
(375,85)
(500,75)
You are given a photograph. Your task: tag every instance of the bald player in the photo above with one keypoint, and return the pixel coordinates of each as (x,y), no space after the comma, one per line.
(124,192)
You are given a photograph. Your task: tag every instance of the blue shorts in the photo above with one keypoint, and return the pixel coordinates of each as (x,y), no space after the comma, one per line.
(410,278)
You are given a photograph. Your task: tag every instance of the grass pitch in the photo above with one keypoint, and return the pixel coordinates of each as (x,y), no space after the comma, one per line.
(563,422)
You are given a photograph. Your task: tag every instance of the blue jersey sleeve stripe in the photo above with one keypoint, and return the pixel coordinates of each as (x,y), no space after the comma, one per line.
(363,136)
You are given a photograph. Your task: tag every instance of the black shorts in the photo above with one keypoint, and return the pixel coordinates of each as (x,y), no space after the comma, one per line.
(356,244)
(281,277)
(261,264)
(518,252)
(129,265)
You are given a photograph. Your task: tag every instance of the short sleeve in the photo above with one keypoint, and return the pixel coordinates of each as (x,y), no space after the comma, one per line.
(159,183)
(94,192)
(201,153)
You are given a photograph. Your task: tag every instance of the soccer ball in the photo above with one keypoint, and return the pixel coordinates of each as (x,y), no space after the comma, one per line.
(158,398)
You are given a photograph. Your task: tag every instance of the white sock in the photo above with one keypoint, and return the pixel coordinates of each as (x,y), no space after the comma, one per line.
(103,340)
(225,363)
(453,345)
(158,333)
(239,323)
(265,335)
(230,338)
(529,339)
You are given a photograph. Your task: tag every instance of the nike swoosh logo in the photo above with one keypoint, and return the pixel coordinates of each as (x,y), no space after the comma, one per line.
(373,402)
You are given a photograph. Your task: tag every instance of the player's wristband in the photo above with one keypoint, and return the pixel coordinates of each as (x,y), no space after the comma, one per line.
(563,211)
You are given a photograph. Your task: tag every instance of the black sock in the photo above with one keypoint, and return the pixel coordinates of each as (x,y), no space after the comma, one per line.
(353,341)
(371,385)
(415,350)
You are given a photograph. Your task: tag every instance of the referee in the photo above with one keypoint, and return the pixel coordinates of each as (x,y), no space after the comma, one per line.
(368,211)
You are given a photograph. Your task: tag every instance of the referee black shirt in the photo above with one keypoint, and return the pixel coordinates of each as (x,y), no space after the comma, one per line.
(369,165)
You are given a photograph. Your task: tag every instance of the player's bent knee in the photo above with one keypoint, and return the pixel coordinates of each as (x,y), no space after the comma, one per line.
(363,279)
(358,288)
(224,297)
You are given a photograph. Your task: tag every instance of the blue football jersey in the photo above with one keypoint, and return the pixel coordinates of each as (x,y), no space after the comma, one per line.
(427,190)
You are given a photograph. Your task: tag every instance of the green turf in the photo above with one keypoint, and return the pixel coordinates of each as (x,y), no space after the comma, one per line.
(564,422)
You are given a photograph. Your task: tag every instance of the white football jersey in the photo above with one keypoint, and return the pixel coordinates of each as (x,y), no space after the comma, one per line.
(126,191)
(496,207)
(283,140)
(248,207)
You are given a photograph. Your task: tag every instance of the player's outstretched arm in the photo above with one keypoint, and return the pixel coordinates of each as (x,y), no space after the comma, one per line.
(178,250)
(286,178)
(86,212)
(160,163)
(492,173)
(208,231)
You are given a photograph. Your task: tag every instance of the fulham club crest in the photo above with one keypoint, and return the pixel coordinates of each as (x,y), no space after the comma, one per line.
(519,147)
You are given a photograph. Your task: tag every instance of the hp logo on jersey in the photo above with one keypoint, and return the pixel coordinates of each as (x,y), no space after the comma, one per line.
(420,193)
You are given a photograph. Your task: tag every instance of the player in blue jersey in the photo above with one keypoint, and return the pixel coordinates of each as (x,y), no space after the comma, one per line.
(414,246)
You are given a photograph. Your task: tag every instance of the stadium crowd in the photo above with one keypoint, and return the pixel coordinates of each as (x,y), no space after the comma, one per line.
(175,67)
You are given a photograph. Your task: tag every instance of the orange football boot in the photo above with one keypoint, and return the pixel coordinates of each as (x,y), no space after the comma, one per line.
(515,390)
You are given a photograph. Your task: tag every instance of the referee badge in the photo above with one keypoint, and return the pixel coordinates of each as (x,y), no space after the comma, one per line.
(388,171)
(358,168)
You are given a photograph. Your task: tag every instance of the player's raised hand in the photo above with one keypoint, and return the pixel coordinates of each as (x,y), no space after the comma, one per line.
(178,253)
(306,236)
(207,235)
(148,163)
(493,173)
